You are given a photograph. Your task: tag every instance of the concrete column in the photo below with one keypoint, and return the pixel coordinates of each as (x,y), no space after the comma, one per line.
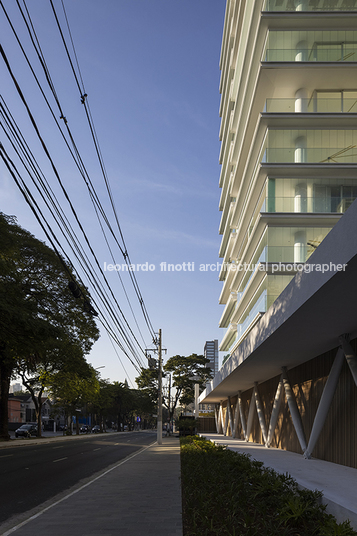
(301,51)
(310,198)
(301,100)
(242,416)
(250,415)
(325,402)
(300,199)
(300,155)
(260,412)
(219,420)
(294,410)
(230,420)
(301,5)
(275,412)
(197,394)
(350,356)
(235,419)
(225,426)
(300,246)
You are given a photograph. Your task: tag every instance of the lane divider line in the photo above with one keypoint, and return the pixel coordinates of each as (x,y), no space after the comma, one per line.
(60,459)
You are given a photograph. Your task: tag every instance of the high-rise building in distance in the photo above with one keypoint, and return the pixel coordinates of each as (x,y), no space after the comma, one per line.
(211,352)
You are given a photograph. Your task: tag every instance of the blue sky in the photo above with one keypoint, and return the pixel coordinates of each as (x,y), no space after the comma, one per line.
(151,72)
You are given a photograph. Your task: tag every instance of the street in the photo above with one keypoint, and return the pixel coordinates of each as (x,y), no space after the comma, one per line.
(33,474)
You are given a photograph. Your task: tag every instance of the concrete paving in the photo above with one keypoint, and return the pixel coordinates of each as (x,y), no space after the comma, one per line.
(338,483)
(141,495)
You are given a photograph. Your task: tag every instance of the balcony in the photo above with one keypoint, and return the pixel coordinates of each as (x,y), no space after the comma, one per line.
(307,204)
(340,53)
(310,5)
(312,105)
(326,155)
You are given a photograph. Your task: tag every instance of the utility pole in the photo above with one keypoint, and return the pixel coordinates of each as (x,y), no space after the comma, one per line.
(159,402)
(153,364)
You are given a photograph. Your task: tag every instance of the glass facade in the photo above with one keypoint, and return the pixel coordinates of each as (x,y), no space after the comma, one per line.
(311,146)
(294,244)
(309,195)
(321,101)
(264,297)
(318,45)
(259,146)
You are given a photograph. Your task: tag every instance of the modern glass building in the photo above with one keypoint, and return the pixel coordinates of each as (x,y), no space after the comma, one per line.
(288,145)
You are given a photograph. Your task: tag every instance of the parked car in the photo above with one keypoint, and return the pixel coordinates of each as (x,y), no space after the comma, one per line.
(85,429)
(96,429)
(26,430)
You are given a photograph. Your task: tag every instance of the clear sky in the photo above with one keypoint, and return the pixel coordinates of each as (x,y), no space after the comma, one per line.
(151,72)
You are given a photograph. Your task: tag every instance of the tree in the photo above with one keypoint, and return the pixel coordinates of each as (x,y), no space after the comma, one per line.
(73,389)
(185,372)
(40,376)
(148,381)
(39,315)
(117,403)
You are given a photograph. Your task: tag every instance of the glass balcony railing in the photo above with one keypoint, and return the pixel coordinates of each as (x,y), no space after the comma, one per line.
(250,272)
(322,54)
(308,204)
(313,105)
(310,5)
(347,155)
(260,306)
(287,253)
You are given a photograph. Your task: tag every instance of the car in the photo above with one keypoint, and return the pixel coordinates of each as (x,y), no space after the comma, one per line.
(26,430)
(96,429)
(85,429)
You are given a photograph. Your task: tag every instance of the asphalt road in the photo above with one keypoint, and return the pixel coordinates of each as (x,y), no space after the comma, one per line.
(32,474)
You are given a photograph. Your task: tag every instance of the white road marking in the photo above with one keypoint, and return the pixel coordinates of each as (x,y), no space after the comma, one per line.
(74,492)
(60,459)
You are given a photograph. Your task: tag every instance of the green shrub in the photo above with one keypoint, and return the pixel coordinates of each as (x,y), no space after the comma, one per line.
(227,493)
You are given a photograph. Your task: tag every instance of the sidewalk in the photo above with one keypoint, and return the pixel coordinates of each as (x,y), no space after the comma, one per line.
(139,496)
(337,482)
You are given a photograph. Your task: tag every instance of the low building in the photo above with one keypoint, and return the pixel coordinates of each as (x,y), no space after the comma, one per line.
(16,412)
(21,409)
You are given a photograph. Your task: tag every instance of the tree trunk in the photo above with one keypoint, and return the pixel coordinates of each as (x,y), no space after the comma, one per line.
(37,400)
(38,407)
(5,375)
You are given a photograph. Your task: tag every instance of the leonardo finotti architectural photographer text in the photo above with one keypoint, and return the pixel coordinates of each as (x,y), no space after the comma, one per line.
(217,267)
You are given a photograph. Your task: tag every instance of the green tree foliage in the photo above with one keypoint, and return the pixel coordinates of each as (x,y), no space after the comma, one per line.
(39,317)
(117,403)
(148,381)
(185,372)
(73,389)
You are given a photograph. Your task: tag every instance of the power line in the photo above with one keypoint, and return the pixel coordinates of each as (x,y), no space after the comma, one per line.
(93,196)
(66,195)
(51,237)
(84,101)
(76,156)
